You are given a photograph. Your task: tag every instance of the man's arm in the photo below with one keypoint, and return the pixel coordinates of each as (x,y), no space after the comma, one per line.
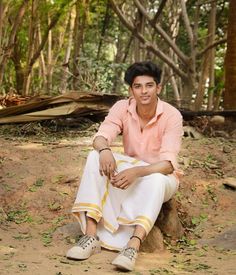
(125,178)
(107,161)
(110,128)
(164,167)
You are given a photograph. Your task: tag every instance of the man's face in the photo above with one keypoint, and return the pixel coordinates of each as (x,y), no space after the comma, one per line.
(145,90)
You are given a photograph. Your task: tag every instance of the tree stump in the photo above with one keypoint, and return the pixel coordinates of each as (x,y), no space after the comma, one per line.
(167,223)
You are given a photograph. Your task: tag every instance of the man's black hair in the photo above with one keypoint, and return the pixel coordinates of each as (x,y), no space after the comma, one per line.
(142,68)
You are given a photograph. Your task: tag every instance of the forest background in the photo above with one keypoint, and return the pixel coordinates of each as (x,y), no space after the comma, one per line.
(54,46)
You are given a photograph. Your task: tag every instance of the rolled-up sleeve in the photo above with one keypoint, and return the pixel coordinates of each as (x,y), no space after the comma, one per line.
(171,140)
(112,126)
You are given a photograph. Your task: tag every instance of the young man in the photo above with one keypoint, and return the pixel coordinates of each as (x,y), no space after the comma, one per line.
(120,196)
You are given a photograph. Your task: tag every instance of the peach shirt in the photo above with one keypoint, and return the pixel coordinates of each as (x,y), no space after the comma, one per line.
(160,138)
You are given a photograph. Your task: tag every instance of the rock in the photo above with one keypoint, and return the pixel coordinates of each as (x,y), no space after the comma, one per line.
(221,134)
(69,230)
(217,120)
(233,134)
(5,250)
(191,132)
(226,240)
(154,241)
(227,149)
(168,223)
(230,183)
(168,220)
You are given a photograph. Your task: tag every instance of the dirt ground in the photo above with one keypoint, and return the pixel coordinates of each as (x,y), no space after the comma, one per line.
(38,182)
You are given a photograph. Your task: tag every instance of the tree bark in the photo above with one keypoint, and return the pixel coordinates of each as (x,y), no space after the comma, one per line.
(104,28)
(65,66)
(207,71)
(10,45)
(230,60)
(3,11)
(42,73)
(212,28)
(80,24)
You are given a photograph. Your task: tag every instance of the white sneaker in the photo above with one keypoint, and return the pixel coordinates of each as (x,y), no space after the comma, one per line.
(126,259)
(86,246)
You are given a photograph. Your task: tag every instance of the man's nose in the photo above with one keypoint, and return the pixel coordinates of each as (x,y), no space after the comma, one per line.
(143,90)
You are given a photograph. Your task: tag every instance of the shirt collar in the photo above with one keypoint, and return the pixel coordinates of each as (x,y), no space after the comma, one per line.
(132,109)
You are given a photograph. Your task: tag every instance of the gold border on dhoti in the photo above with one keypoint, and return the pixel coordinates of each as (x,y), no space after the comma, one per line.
(105,194)
(109,247)
(79,207)
(141,220)
(109,226)
(134,161)
(93,211)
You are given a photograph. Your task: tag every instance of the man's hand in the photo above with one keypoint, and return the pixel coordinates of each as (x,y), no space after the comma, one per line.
(125,178)
(107,163)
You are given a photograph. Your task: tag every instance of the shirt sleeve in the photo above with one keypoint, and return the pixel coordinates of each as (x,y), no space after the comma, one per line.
(112,126)
(171,140)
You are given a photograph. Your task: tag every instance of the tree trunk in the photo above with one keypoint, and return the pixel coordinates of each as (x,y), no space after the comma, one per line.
(140,25)
(104,28)
(65,66)
(10,44)
(49,58)
(118,60)
(230,60)
(3,11)
(212,30)
(42,73)
(31,39)
(174,28)
(207,68)
(16,58)
(80,24)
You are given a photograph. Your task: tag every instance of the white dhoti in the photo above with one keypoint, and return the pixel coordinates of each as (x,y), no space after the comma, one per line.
(117,211)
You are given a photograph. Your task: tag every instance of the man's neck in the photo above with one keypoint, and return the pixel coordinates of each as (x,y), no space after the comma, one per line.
(147,112)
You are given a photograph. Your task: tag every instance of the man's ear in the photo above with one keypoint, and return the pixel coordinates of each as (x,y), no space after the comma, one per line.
(159,87)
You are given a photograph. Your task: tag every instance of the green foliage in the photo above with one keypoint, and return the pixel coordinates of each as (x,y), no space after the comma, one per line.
(38,183)
(19,216)
(105,50)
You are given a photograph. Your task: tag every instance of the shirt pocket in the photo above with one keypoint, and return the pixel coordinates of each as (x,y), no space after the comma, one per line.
(154,144)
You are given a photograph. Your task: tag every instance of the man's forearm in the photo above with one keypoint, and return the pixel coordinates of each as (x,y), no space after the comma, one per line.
(164,167)
(100,143)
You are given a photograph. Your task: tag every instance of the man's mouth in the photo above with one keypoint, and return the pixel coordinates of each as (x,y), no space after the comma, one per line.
(144,97)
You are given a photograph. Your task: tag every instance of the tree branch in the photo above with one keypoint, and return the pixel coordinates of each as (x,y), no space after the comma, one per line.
(187,23)
(208,47)
(147,44)
(17,23)
(159,11)
(162,33)
(45,36)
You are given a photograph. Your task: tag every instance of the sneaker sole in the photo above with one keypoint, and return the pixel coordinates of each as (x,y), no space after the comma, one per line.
(74,257)
(122,265)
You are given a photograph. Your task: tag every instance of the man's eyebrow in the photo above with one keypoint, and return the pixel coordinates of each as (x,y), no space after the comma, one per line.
(150,82)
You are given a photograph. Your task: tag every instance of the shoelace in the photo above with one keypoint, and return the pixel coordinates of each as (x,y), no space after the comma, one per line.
(83,242)
(129,252)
